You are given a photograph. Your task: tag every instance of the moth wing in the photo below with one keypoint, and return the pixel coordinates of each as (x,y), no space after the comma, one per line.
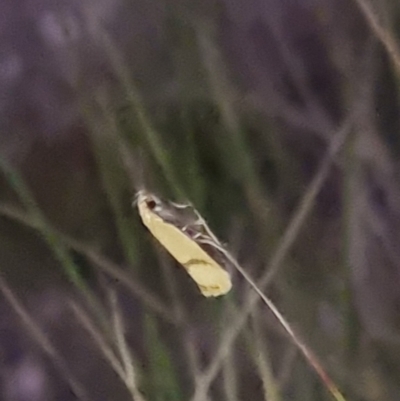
(211,278)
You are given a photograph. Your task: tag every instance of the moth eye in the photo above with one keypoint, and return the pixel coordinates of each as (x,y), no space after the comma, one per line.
(151,204)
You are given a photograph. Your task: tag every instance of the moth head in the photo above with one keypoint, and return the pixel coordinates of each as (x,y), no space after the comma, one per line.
(148,200)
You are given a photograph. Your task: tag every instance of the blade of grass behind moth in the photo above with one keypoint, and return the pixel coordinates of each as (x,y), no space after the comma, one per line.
(44,227)
(262,360)
(198,185)
(236,150)
(230,378)
(114,179)
(139,290)
(172,288)
(385,37)
(42,340)
(351,172)
(229,367)
(181,315)
(152,136)
(124,351)
(99,339)
(280,254)
(133,162)
(287,365)
(108,267)
(163,382)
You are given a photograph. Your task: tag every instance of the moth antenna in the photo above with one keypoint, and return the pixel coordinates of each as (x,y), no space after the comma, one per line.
(211,242)
(136,198)
(206,228)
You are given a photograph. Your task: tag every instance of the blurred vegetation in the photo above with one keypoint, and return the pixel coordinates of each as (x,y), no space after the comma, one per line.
(277,120)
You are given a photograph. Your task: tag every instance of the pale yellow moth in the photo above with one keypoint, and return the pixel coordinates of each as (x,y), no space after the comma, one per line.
(184,234)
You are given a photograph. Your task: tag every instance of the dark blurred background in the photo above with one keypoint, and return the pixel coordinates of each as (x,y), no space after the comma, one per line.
(277,119)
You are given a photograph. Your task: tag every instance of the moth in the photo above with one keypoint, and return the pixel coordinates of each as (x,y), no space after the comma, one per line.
(185,235)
